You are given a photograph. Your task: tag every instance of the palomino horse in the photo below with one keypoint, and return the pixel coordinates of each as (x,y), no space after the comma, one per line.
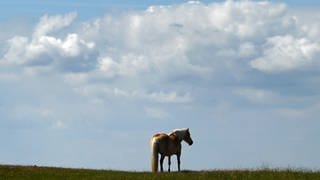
(167,145)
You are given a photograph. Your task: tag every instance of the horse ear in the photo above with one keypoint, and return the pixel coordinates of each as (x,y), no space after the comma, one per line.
(187,129)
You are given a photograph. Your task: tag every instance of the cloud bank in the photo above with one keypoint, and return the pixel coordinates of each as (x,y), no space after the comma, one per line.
(167,54)
(187,54)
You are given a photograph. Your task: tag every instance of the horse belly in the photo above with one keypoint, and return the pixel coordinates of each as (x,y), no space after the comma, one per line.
(172,149)
(166,149)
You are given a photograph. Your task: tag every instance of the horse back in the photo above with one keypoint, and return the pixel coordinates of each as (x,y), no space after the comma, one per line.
(160,136)
(168,144)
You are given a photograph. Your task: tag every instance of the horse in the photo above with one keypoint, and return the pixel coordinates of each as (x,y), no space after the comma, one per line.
(167,145)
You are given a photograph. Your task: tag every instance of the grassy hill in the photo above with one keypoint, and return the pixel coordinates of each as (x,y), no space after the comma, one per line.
(34,172)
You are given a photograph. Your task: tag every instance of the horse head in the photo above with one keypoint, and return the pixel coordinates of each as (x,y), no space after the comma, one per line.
(184,134)
(187,137)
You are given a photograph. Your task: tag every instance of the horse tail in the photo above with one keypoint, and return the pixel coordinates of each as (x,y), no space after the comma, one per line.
(154,158)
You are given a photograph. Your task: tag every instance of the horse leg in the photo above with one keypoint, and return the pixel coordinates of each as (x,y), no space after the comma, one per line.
(178,159)
(161,162)
(169,163)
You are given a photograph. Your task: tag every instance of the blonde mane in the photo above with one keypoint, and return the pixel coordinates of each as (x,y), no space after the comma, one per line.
(179,133)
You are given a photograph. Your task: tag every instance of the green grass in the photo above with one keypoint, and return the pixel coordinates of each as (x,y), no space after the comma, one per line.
(33,172)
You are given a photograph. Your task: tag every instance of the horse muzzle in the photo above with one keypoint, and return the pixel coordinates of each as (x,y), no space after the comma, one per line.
(190,143)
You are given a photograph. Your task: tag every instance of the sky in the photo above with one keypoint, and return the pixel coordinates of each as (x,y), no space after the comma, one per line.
(86,84)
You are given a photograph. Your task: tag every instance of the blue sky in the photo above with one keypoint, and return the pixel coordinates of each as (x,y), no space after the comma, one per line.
(87,84)
(36,8)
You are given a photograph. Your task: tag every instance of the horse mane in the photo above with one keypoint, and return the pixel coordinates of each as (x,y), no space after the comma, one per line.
(179,133)
(174,137)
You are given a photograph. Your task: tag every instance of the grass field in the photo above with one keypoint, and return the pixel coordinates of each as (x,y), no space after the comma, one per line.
(33,172)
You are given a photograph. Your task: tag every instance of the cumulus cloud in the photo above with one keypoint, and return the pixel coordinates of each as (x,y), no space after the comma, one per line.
(163,38)
(126,66)
(285,53)
(171,42)
(48,24)
(44,48)
(158,53)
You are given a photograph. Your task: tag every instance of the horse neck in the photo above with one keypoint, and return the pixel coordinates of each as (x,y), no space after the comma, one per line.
(173,137)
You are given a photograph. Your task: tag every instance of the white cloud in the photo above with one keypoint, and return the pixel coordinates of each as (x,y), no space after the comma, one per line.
(48,24)
(162,39)
(308,20)
(167,40)
(159,54)
(70,47)
(127,66)
(42,49)
(15,51)
(285,53)
(248,18)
